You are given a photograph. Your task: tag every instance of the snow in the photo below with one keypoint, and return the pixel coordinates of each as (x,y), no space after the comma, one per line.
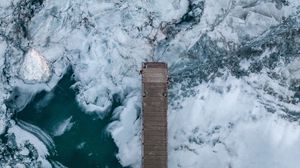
(24,151)
(295,69)
(226,123)
(3,46)
(5,4)
(3,92)
(127,130)
(169,10)
(228,113)
(19,165)
(35,67)
(22,136)
(278,139)
(3,121)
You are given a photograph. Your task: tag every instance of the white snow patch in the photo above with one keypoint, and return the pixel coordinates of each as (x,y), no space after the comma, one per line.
(4,93)
(269,142)
(227,124)
(170,10)
(126,132)
(24,151)
(19,165)
(5,4)
(22,136)
(3,46)
(3,121)
(294,68)
(245,64)
(35,68)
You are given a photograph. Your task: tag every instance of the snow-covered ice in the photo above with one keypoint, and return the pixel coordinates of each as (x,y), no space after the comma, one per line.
(35,68)
(22,136)
(237,106)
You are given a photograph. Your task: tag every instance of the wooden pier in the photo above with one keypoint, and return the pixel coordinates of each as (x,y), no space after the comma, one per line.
(155,123)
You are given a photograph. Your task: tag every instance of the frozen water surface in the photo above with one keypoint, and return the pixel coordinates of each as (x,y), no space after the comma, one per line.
(234,89)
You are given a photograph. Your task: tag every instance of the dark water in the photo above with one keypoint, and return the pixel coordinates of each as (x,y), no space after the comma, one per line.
(86,144)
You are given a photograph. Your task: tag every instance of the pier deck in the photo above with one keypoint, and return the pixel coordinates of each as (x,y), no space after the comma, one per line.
(155,104)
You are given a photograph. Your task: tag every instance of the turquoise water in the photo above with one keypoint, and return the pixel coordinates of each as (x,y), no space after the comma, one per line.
(86,144)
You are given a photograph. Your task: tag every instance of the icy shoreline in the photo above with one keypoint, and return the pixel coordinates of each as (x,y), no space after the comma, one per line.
(230,61)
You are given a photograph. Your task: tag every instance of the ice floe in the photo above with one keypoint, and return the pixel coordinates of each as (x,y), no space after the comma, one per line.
(35,67)
(22,136)
(62,127)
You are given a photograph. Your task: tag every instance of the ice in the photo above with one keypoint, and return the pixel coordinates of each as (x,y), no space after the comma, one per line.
(24,151)
(227,122)
(63,127)
(127,131)
(39,134)
(170,10)
(22,136)
(295,69)
(5,4)
(276,137)
(35,67)
(3,123)
(3,91)
(3,46)
(81,145)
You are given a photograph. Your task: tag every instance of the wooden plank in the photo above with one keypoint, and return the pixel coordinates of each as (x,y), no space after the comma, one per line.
(154,99)
(157,140)
(154,159)
(157,133)
(155,114)
(155,120)
(154,108)
(154,128)
(151,85)
(159,161)
(157,147)
(154,65)
(158,126)
(155,104)
(149,66)
(154,138)
(155,124)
